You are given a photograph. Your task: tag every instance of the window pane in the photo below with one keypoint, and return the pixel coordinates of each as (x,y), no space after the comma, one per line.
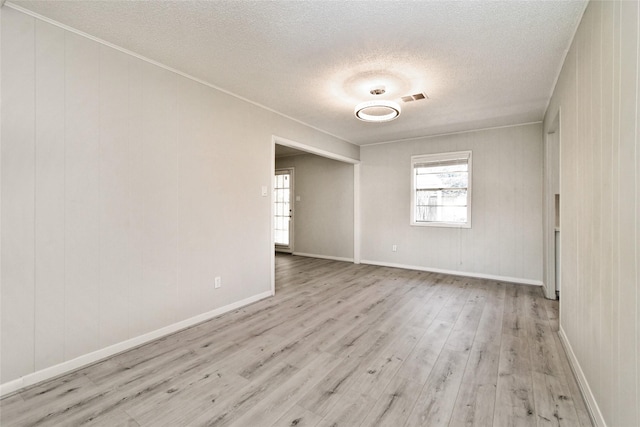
(441,197)
(441,188)
(442,180)
(435,168)
(441,214)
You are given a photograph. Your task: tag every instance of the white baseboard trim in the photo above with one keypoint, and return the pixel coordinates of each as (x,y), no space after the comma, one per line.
(96,356)
(334,258)
(517,280)
(583,384)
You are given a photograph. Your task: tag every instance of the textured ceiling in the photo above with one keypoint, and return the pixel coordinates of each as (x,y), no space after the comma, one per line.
(481,63)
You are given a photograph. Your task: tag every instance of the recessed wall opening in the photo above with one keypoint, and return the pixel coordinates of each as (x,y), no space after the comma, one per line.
(314,203)
(552,210)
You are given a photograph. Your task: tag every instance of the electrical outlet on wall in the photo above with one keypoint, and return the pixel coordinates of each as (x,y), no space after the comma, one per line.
(218,282)
(394,248)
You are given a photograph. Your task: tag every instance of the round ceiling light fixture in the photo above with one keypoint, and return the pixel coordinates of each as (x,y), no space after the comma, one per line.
(377,111)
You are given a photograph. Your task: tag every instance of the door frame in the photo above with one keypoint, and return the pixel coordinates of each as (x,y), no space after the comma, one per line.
(281,248)
(356,196)
(552,166)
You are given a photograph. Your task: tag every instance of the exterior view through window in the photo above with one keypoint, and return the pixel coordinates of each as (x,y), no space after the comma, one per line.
(282,208)
(441,193)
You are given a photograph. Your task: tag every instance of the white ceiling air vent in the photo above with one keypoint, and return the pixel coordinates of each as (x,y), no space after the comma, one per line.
(414,97)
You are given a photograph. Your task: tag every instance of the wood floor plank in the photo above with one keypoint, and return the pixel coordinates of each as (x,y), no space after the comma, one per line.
(476,399)
(466,326)
(376,374)
(514,316)
(108,402)
(514,395)
(231,407)
(284,397)
(297,416)
(553,313)
(13,409)
(423,357)
(552,396)
(43,401)
(491,321)
(474,406)
(456,301)
(339,344)
(435,403)
(395,404)
(545,358)
(327,393)
(349,410)
(553,401)
(116,419)
(193,397)
(577,399)
(535,306)
(251,364)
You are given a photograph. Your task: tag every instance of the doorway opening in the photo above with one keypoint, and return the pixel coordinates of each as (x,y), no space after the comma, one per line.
(315,213)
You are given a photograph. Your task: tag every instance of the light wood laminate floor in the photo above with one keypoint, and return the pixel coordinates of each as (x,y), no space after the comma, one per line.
(339,345)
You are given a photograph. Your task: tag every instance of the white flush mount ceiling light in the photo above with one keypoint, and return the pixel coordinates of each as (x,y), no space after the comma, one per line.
(377,111)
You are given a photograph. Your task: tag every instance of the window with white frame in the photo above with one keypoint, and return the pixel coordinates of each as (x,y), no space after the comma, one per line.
(441,189)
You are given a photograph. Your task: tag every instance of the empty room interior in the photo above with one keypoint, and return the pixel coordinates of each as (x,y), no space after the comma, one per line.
(282,213)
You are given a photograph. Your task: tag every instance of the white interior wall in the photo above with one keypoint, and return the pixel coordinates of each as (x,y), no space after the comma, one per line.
(323,218)
(597,98)
(505,240)
(126,188)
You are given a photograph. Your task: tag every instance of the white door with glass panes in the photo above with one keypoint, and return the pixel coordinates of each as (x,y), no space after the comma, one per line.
(283,210)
